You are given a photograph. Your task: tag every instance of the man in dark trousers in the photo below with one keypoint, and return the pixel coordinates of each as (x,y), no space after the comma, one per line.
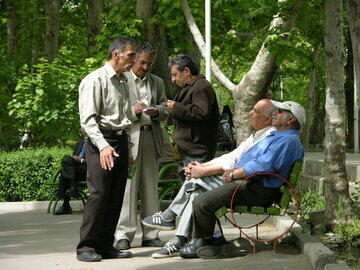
(104,112)
(73,169)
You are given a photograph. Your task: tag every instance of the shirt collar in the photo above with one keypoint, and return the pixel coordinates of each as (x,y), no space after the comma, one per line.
(261,132)
(109,69)
(284,132)
(136,77)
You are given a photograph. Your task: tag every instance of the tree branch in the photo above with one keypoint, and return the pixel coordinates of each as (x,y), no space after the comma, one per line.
(201,44)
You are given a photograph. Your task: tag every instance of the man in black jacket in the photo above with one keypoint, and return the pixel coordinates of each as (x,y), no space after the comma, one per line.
(73,170)
(195,112)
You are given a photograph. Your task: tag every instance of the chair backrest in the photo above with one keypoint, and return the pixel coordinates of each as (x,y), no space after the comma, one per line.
(293,180)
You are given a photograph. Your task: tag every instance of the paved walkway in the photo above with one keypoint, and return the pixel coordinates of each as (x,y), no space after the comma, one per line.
(37,240)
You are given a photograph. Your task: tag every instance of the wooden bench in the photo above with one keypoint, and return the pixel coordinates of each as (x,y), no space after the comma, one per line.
(288,193)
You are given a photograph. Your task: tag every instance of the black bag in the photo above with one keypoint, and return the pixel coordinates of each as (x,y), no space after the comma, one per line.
(225,132)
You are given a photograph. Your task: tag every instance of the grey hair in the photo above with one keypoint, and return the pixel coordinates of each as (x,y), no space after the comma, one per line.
(181,61)
(119,44)
(145,47)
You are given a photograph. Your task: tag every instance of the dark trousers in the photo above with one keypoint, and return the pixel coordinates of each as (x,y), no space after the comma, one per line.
(106,188)
(71,172)
(250,193)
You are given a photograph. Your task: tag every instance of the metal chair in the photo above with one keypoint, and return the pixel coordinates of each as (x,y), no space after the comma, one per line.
(288,193)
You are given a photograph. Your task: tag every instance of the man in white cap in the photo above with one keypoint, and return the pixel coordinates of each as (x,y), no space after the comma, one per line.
(275,154)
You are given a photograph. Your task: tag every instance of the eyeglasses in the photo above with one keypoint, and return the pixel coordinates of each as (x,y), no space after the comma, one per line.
(283,110)
(274,115)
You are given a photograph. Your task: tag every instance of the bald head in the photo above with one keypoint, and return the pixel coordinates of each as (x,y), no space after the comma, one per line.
(260,115)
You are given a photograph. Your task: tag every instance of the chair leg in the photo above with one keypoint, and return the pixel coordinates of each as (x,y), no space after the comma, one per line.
(55,204)
(49,205)
(274,245)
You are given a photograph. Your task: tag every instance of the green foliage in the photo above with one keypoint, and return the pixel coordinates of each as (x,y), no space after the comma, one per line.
(311,200)
(350,232)
(24,175)
(356,194)
(44,104)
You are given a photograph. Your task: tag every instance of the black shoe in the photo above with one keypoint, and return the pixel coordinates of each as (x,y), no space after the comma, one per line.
(88,256)
(189,251)
(63,210)
(115,254)
(156,242)
(227,250)
(122,244)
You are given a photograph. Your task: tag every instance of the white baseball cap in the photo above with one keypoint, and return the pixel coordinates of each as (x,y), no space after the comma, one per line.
(296,109)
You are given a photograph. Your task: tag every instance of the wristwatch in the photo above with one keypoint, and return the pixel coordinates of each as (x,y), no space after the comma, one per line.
(231,175)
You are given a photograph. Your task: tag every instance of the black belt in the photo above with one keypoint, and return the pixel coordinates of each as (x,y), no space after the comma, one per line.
(146,127)
(113,132)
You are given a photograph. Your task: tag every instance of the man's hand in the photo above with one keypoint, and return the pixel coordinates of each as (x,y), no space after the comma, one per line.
(131,161)
(228,176)
(151,111)
(107,156)
(170,105)
(194,170)
(77,159)
(139,107)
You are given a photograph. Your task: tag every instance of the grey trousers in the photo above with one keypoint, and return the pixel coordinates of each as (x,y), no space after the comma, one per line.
(144,183)
(182,205)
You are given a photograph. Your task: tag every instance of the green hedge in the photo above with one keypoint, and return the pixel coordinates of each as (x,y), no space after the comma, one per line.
(24,174)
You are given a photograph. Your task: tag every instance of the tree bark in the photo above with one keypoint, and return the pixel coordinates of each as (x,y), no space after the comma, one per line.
(37,35)
(11,15)
(155,34)
(194,52)
(52,24)
(354,27)
(95,8)
(313,100)
(254,83)
(336,184)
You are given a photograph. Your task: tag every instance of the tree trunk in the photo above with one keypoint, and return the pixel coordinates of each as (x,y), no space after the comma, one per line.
(37,35)
(194,52)
(201,45)
(11,15)
(120,2)
(155,34)
(52,24)
(95,8)
(313,99)
(336,184)
(354,26)
(254,83)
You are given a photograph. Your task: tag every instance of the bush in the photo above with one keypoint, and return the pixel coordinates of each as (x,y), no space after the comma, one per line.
(311,200)
(349,232)
(24,174)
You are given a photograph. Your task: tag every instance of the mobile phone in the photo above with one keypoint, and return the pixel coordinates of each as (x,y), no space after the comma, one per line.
(149,109)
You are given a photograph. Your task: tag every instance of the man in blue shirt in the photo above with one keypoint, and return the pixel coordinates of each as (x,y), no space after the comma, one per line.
(275,154)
